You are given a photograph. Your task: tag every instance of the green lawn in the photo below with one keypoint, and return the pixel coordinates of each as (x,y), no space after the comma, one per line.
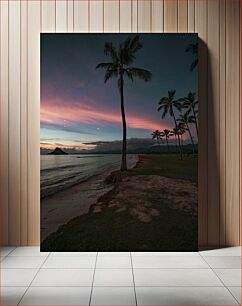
(112,231)
(168,165)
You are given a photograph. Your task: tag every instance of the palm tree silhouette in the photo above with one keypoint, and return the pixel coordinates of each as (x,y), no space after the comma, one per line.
(156,135)
(175,133)
(166,133)
(181,131)
(193,48)
(185,119)
(122,57)
(190,103)
(167,105)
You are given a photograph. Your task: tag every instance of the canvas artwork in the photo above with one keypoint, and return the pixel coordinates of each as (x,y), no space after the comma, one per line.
(119,142)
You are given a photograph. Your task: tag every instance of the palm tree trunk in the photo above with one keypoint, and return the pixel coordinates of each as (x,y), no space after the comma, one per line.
(190,134)
(177,149)
(195,118)
(124,145)
(168,147)
(178,136)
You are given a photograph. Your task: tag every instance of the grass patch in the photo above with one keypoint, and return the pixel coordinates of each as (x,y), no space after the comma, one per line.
(167,165)
(110,230)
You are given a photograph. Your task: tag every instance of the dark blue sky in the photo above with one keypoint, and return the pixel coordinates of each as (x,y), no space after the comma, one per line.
(76,105)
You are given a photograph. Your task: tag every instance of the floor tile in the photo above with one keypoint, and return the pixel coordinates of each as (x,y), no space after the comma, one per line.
(11,295)
(70,262)
(28,251)
(113,277)
(113,262)
(57,296)
(231,251)
(23,262)
(17,277)
(4,251)
(169,262)
(232,262)
(184,296)
(175,277)
(186,254)
(72,254)
(64,277)
(118,254)
(113,296)
(236,292)
(230,277)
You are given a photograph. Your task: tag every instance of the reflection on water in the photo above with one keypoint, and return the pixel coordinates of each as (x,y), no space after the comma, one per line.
(59,172)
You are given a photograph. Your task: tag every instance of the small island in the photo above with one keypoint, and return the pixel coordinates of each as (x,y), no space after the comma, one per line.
(58,151)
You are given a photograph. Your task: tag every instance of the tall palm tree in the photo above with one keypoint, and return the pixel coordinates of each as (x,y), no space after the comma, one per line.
(190,103)
(156,135)
(186,119)
(193,48)
(181,131)
(167,105)
(175,133)
(120,66)
(166,133)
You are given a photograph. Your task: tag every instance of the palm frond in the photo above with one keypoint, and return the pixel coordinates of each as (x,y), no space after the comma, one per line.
(104,65)
(177,105)
(109,49)
(143,74)
(128,49)
(109,74)
(194,64)
(171,94)
(163,100)
(125,53)
(171,110)
(165,111)
(129,74)
(192,48)
(161,107)
(135,44)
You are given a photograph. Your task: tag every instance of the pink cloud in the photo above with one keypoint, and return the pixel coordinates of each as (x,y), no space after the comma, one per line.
(65,113)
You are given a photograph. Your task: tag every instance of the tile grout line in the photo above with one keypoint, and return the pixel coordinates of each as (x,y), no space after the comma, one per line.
(233,295)
(108,286)
(220,279)
(135,295)
(90,268)
(10,252)
(90,299)
(33,278)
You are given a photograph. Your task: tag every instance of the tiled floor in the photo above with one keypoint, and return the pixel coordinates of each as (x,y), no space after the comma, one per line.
(29,277)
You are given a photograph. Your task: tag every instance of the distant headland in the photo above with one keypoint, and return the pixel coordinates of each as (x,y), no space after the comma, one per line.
(58,151)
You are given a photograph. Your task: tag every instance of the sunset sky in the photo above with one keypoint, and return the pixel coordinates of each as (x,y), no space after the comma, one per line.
(78,108)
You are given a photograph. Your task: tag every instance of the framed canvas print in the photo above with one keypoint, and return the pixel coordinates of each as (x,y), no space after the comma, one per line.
(119,142)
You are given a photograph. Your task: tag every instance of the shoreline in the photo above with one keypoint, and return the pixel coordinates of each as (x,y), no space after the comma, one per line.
(146,208)
(59,208)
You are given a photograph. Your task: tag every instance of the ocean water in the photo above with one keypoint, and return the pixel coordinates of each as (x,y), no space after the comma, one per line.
(59,172)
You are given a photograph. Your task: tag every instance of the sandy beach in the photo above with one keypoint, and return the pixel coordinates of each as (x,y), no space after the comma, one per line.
(149,207)
(61,207)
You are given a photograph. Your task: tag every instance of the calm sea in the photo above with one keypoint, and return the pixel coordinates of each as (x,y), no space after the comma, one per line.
(59,172)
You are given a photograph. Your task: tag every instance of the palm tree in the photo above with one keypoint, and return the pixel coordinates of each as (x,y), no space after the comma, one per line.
(193,48)
(185,119)
(120,66)
(190,103)
(156,135)
(181,130)
(166,133)
(175,133)
(167,105)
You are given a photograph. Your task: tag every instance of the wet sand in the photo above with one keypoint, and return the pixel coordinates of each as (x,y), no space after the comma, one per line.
(61,207)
